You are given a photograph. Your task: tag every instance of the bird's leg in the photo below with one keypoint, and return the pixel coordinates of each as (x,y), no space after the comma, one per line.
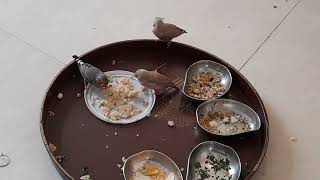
(85,84)
(168,43)
(176,88)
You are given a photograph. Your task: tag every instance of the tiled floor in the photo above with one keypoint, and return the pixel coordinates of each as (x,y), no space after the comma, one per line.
(38,37)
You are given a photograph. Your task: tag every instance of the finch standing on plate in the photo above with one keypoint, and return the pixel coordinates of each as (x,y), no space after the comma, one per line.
(91,74)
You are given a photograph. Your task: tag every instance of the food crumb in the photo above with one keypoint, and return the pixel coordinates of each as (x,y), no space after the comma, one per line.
(171,123)
(293,139)
(115,133)
(113,62)
(60,159)
(149,115)
(156,115)
(137,135)
(60,96)
(119,165)
(182,169)
(78,94)
(123,159)
(82,125)
(52,147)
(107,147)
(85,177)
(51,113)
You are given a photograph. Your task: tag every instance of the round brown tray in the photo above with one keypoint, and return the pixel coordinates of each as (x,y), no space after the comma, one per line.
(83,139)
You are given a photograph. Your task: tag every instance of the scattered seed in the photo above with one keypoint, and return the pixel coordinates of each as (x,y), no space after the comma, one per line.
(246,164)
(123,159)
(182,169)
(171,123)
(149,115)
(107,147)
(113,62)
(119,165)
(195,127)
(170,101)
(60,96)
(51,113)
(115,133)
(78,94)
(73,75)
(156,115)
(205,85)
(83,125)
(137,135)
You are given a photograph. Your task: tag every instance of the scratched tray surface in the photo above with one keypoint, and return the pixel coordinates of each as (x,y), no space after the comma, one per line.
(84,140)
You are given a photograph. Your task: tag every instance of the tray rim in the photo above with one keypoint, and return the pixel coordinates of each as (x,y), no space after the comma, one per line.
(64,173)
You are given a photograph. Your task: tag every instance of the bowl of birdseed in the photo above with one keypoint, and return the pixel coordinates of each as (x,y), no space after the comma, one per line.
(206,80)
(226,117)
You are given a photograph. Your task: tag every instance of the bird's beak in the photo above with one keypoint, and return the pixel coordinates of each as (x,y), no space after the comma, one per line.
(104,87)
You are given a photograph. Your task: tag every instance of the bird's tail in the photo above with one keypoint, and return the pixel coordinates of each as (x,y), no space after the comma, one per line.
(77,60)
(182,30)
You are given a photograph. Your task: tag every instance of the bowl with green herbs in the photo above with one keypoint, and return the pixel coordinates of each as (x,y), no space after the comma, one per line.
(211,160)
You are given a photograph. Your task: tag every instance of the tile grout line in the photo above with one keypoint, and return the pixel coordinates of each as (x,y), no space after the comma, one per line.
(43,52)
(267,38)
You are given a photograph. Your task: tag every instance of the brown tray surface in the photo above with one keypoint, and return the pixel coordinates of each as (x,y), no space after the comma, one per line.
(82,138)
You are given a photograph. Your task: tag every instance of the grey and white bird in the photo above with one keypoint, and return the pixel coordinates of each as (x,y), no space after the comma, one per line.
(165,31)
(91,74)
(154,80)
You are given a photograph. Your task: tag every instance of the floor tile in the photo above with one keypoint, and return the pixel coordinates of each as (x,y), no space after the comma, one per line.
(230,29)
(25,75)
(286,73)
